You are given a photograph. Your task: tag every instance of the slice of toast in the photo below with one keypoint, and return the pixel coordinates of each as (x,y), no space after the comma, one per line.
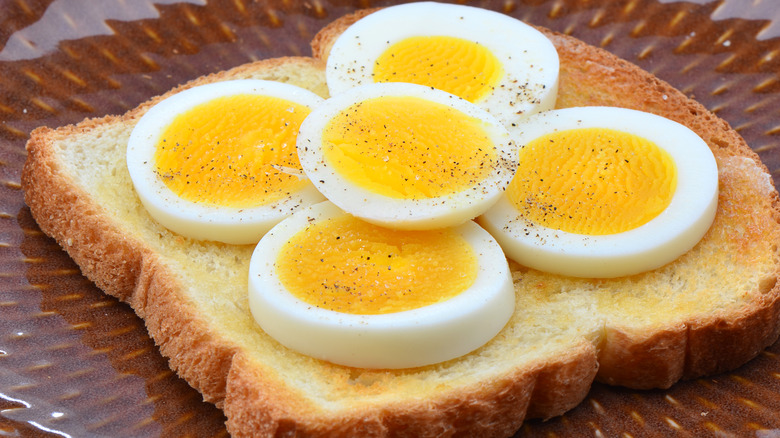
(711,310)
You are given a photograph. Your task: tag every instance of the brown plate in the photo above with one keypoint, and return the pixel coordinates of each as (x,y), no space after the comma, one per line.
(74,362)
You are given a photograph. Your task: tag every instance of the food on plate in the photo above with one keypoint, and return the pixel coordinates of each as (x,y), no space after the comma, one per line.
(219,161)
(605,192)
(331,286)
(503,65)
(709,310)
(406,156)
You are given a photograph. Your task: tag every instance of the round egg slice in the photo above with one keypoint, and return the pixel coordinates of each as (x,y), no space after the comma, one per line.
(605,192)
(406,156)
(333,287)
(219,161)
(502,64)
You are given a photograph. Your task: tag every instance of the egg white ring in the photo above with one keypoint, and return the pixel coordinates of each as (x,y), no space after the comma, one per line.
(442,211)
(530,61)
(661,240)
(411,338)
(190,219)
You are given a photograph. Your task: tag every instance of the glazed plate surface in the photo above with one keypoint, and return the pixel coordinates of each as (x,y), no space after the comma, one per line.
(75,362)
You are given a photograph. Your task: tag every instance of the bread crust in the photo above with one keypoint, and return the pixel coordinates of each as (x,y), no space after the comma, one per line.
(259,402)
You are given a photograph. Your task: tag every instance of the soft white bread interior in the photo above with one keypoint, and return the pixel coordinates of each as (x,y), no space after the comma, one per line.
(711,310)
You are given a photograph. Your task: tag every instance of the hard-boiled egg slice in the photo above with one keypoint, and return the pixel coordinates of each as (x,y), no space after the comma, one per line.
(605,192)
(507,67)
(406,156)
(219,161)
(334,287)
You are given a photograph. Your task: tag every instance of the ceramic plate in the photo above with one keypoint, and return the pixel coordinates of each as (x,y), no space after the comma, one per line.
(75,363)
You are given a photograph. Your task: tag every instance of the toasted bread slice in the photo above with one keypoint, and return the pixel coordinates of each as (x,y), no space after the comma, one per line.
(709,311)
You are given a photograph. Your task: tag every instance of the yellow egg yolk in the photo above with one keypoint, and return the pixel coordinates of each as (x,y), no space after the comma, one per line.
(593,181)
(235,151)
(350,266)
(408,147)
(455,65)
